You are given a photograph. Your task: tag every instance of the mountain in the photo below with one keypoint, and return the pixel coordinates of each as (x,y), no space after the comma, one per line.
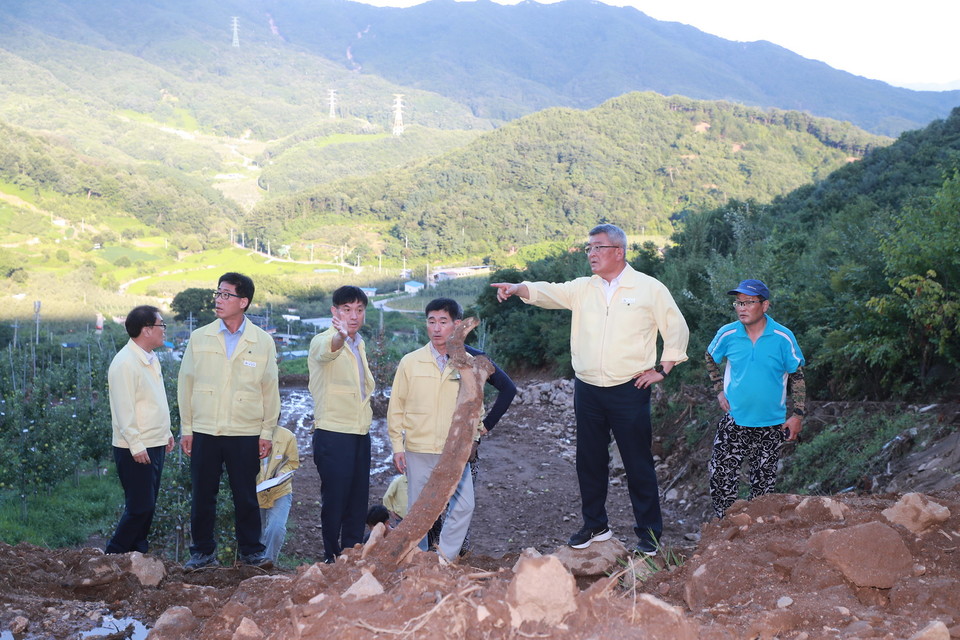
(497,61)
(507,60)
(640,161)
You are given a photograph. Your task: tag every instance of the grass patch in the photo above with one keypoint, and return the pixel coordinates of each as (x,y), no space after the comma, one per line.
(65,517)
(842,454)
(113,253)
(293,366)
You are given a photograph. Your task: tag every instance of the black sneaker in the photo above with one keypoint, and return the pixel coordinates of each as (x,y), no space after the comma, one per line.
(645,548)
(587,536)
(259,560)
(201,561)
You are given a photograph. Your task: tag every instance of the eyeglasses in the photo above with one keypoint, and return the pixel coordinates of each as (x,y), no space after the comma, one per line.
(590,248)
(159,324)
(226,295)
(740,304)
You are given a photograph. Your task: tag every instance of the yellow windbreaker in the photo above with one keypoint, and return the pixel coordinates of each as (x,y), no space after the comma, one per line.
(235,397)
(610,343)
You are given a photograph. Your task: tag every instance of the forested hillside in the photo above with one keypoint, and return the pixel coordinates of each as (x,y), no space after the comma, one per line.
(863,266)
(641,161)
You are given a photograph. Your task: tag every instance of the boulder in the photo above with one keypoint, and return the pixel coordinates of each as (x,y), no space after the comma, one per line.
(148,570)
(175,623)
(248,630)
(365,587)
(868,555)
(541,591)
(916,512)
(599,559)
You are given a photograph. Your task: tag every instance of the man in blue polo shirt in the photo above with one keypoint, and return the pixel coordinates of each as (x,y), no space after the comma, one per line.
(764,364)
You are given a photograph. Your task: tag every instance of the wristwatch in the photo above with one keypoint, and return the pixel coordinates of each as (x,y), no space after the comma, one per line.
(659,369)
(798,412)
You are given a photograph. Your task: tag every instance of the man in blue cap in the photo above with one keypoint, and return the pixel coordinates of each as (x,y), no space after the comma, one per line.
(764,364)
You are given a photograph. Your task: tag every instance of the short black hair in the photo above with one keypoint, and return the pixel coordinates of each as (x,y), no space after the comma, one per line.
(451,306)
(243,284)
(140,317)
(347,294)
(378,512)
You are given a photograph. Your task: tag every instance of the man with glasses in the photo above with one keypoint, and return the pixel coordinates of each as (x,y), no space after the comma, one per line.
(141,426)
(229,406)
(341,385)
(764,363)
(617,315)
(422,404)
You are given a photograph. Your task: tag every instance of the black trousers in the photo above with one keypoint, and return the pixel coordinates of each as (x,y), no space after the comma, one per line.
(624,411)
(343,462)
(141,486)
(240,455)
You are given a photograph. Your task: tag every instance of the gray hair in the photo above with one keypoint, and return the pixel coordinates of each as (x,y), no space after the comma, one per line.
(615,233)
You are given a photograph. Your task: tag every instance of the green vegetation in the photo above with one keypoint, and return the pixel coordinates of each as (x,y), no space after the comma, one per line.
(872,323)
(64,516)
(640,161)
(843,455)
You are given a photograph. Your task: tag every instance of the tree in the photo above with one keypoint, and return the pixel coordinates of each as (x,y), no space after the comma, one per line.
(197,301)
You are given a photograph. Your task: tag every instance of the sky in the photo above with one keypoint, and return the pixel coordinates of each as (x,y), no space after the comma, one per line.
(913,43)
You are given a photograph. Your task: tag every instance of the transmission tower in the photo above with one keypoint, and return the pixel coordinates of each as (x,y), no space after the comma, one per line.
(398,114)
(333,103)
(236,32)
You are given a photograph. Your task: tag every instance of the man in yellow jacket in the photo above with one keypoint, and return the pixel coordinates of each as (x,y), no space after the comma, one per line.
(141,426)
(229,399)
(275,501)
(617,314)
(341,385)
(422,402)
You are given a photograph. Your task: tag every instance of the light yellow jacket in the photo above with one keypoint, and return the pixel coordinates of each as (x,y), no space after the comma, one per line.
(395,499)
(284,456)
(138,402)
(422,403)
(235,397)
(335,387)
(609,344)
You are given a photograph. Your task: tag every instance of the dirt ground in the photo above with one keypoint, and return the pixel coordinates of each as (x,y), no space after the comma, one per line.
(777,567)
(526,491)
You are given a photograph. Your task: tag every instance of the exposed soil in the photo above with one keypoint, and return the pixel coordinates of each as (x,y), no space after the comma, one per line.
(777,567)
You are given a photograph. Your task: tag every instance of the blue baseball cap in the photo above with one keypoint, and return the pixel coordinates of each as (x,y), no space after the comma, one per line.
(751,288)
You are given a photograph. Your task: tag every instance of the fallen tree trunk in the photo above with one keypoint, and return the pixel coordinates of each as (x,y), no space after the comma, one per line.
(443,481)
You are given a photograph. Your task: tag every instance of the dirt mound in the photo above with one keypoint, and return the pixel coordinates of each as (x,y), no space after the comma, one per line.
(780,566)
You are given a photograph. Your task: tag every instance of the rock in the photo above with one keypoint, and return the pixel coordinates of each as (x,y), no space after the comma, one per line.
(148,570)
(529,552)
(175,623)
(378,533)
(18,625)
(774,624)
(738,520)
(784,602)
(916,512)
(820,509)
(599,559)
(541,591)
(248,630)
(662,621)
(936,630)
(365,587)
(868,555)
(716,580)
